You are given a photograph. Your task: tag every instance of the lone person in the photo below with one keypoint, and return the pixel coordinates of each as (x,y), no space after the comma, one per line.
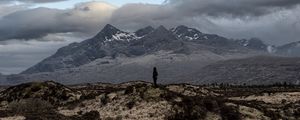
(155,74)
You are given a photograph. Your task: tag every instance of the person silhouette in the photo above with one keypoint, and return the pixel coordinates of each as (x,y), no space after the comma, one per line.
(155,74)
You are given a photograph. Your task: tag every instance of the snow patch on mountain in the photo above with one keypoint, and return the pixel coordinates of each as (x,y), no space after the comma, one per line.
(186,33)
(122,36)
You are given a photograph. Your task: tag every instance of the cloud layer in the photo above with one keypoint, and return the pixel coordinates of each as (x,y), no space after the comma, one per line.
(274,21)
(22,29)
(233,8)
(16,55)
(31,1)
(36,23)
(231,18)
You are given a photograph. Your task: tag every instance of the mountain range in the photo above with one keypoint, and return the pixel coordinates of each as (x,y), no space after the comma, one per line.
(291,49)
(251,71)
(117,56)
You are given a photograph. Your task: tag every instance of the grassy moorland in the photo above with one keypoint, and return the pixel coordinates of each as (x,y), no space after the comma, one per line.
(140,100)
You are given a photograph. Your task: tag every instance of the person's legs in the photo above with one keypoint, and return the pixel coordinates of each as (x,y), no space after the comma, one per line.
(154,80)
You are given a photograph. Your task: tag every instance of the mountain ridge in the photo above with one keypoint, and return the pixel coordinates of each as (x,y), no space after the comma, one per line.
(112,42)
(115,56)
(290,49)
(251,71)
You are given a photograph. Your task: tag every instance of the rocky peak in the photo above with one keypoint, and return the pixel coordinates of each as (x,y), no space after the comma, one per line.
(144,31)
(187,33)
(180,28)
(108,31)
(162,28)
(161,33)
(109,28)
(253,43)
(160,39)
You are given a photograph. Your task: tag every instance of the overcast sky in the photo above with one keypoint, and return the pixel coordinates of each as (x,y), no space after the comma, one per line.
(31,30)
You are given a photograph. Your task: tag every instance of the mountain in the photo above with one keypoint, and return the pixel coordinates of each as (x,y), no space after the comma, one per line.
(185,33)
(193,35)
(110,42)
(254,70)
(144,31)
(291,49)
(253,43)
(116,56)
(2,79)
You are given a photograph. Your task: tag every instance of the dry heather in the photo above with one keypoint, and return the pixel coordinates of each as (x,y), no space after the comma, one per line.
(142,101)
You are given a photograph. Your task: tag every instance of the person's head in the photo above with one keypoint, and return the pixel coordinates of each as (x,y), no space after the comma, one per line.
(154,68)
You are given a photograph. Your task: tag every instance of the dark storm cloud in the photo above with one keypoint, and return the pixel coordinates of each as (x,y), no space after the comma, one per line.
(36,23)
(16,55)
(31,1)
(233,8)
(174,12)
(41,1)
(230,18)
(274,21)
(6,9)
(141,15)
(29,24)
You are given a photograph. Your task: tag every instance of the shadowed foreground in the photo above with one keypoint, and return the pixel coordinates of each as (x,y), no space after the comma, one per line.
(140,100)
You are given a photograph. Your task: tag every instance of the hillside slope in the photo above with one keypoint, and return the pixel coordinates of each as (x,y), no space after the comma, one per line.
(253,70)
(291,49)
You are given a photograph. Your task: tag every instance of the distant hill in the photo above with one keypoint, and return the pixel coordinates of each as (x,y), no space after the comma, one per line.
(291,49)
(253,70)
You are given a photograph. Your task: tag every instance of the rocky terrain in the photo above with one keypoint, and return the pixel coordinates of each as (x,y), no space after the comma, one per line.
(140,100)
